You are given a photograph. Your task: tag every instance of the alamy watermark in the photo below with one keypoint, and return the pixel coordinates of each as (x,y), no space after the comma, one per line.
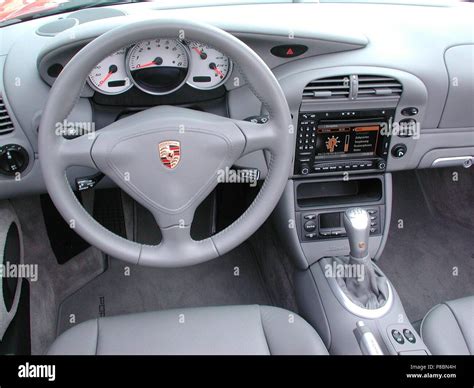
(71,129)
(27,271)
(248,176)
(340,270)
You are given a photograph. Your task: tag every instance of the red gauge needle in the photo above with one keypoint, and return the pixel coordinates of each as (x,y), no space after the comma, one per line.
(157,61)
(214,67)
(112,69)
(102,81)
(201,53)
(146,64)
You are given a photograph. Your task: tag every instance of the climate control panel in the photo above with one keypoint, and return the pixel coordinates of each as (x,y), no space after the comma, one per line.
(320,225)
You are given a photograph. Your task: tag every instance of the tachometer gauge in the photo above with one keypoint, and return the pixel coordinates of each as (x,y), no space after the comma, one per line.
(209,67)
(158,66)
(110,75)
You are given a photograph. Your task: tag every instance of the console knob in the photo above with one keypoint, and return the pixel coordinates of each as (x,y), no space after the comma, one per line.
(304,169)
(381,165)
(399,150)
(13,159)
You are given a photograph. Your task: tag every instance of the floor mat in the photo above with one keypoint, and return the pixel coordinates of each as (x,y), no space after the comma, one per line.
(55,282)
(231,279)
(429,256)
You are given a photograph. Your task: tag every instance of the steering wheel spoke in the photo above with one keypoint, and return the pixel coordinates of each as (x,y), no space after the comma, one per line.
(77,152)
(257,136)
(177,246)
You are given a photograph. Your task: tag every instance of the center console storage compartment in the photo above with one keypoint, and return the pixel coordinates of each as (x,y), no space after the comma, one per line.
(341,192)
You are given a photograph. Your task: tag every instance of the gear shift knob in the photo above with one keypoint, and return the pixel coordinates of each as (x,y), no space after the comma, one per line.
(357,225)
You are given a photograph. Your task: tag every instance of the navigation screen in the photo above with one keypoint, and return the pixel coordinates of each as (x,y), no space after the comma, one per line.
(342,140)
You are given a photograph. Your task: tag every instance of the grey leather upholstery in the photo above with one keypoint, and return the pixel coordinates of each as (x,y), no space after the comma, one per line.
(448,328)
(208,330)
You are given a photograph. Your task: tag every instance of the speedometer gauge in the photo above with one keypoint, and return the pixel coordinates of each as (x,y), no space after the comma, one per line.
(158,66)
(209,67)
(110,75)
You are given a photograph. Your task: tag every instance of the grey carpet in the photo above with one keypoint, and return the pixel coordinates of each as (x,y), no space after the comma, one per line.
(437,237)
(55,282)
(149,289)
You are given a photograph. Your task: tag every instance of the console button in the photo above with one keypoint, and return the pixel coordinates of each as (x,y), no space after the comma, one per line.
(409,336)
(398,337)
(411,111)
(325,234)
(373,230)
(310,235)
(310,226)
(310,216)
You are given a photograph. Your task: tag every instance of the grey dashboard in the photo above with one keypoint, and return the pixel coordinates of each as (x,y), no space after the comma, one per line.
(434,66)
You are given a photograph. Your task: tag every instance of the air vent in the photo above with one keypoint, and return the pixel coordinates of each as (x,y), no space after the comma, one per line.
(372,86)
(6,124)
(330,88)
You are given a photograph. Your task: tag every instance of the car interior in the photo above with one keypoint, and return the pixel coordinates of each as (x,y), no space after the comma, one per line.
(237,178)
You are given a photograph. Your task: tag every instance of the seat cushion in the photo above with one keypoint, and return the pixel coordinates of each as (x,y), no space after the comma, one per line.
(207,330)
(448,327)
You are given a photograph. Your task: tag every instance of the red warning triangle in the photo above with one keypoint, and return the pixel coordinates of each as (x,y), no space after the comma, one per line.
(290,51)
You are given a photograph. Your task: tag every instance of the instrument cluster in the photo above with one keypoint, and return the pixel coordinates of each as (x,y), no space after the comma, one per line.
(161,66)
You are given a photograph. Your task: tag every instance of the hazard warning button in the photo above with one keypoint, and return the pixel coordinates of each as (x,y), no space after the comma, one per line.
(289,51)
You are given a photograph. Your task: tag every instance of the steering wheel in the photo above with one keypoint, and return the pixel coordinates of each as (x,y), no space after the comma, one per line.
(128,151)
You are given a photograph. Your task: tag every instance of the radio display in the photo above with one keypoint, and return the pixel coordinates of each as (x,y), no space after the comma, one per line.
(345,140)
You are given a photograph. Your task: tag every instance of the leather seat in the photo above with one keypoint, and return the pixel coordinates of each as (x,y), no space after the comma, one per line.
(208,330)
(448,328)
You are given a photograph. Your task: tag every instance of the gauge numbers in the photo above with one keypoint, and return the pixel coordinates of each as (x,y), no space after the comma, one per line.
(158,66)
(209,67)
(110,75)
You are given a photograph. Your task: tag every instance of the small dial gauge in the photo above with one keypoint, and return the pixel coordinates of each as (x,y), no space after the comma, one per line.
(158,66)
(209,67)
(110,75)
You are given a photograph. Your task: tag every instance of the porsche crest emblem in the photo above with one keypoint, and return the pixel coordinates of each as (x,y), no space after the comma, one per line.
(170,153)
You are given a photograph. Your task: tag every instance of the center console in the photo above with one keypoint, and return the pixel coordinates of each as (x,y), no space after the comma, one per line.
(340,166)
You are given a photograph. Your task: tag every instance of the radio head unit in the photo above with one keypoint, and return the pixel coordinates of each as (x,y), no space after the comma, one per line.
(329,142)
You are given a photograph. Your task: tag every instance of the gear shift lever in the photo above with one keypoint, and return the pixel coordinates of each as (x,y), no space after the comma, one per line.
(369,290)
(357,225)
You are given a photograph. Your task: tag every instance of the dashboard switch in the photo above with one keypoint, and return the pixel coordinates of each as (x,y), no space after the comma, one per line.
(289,50)
(409,336)
(397,336)
(13,159)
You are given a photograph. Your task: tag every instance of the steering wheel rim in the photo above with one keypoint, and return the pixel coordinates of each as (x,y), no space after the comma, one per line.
(107,150)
